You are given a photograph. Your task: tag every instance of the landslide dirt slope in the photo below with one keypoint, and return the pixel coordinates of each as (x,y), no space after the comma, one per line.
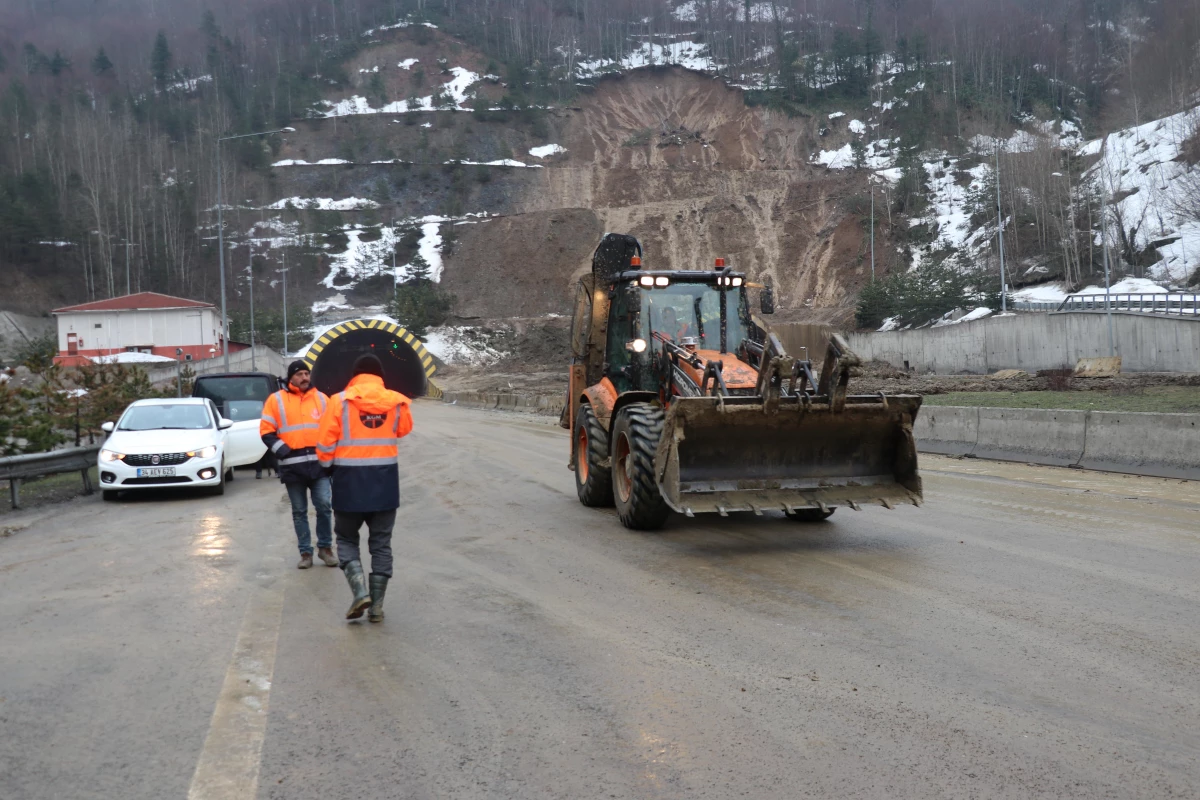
(678,160)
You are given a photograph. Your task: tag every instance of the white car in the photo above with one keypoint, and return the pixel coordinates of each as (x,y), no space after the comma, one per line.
(171,443)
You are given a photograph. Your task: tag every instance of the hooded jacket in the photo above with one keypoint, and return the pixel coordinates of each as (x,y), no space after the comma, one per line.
(358,439)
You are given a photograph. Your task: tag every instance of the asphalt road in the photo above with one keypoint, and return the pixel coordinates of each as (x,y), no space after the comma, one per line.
(1029,632)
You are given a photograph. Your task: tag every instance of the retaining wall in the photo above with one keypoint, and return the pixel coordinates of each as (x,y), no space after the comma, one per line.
(1164,445)
(263,358)
(1032,342)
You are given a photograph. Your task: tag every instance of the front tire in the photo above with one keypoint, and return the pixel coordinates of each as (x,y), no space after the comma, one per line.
(636,434)
(219,489)
(810,514)
(593,482)
(109,496)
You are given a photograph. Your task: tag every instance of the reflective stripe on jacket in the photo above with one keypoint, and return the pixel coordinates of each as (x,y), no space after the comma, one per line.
(358,439)
(291,421)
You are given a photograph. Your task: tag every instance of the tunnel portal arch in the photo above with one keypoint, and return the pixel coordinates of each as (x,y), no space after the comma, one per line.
(407,365)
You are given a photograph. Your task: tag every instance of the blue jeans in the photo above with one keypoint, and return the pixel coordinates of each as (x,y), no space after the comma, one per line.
(322,500)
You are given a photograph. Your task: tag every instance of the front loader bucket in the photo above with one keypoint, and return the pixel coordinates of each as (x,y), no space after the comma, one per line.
(738,454)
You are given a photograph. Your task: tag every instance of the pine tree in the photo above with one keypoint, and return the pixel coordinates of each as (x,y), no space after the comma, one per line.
(160,60)
(101,65)
(419,302)
(59,63)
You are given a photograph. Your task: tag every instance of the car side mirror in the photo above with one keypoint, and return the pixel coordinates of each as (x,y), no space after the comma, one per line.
(224,424)
(108,427)
(766,300)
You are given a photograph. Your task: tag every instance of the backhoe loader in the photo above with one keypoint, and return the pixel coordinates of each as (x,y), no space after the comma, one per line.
(682,400)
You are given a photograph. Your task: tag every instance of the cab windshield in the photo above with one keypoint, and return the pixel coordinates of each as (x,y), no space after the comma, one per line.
(694,309)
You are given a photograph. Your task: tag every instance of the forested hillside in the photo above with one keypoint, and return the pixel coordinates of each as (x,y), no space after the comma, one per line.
(110,111)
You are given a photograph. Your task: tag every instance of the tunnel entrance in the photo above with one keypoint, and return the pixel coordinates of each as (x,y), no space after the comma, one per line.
(407,365)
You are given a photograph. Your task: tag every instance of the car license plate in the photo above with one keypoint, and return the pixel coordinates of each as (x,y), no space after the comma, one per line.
(157,472)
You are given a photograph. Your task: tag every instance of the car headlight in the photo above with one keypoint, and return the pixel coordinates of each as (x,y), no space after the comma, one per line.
(203,452)
(111,455)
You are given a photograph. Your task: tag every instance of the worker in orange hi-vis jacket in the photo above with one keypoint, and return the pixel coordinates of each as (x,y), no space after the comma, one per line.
(290,422)
(358,440)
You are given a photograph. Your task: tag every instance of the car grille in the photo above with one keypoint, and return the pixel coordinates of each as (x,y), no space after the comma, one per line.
(153,481)
(164,460)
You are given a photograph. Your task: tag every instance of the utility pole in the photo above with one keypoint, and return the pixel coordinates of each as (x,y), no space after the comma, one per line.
(253,357)
(286,350)
(1000,236)
(872,232)
(127,246)
(1112,349)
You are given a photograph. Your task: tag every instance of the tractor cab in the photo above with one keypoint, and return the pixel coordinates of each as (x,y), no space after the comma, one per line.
(654,313)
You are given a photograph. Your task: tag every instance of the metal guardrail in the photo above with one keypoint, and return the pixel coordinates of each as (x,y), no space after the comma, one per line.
(15,469)
(1144,303)
(1033,305)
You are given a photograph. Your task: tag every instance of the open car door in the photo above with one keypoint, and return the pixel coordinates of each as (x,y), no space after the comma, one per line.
(243,445)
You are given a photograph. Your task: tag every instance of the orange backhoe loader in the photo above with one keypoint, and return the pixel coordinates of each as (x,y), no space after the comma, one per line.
(681,400)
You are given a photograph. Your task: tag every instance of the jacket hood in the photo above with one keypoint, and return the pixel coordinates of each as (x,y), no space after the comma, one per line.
(368,393)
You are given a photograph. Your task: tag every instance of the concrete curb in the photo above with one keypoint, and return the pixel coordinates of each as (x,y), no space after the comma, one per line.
(1159,445)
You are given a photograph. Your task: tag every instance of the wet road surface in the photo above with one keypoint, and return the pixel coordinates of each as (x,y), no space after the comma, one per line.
(1029,632)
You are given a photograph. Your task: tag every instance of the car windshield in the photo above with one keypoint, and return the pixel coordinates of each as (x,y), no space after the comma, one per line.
(166,417)
(237,398)
(694,309)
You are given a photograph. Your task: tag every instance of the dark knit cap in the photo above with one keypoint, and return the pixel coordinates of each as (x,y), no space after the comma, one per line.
(296,366)
(368,364)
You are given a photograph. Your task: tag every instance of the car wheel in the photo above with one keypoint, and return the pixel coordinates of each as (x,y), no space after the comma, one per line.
(219,489)
(108,495)
(229,474)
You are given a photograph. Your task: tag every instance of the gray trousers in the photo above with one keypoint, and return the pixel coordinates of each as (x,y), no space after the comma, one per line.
(346,525)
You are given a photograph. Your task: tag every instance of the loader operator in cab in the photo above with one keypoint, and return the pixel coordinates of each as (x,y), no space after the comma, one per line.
(671,326)
(359,442)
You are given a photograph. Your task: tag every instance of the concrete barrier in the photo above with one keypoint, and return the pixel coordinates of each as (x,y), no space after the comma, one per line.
(1040,436)
(1166,445)
(549,405)
(1163,445)
(947,430)
(1145,343)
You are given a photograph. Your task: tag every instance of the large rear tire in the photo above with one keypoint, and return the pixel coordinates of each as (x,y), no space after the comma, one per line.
(593,482)
(810,514)
(635,437)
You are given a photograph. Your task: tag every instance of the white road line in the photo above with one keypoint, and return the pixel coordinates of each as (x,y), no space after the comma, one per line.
(229,763)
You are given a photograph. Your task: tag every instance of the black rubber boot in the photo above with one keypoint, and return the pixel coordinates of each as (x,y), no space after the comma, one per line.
(358,585)
(378,590)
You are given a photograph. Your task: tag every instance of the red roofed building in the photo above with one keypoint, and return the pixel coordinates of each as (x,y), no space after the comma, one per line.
(146,322)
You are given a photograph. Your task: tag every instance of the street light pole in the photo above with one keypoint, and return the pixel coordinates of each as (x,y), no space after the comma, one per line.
(221,256)
(221,227)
